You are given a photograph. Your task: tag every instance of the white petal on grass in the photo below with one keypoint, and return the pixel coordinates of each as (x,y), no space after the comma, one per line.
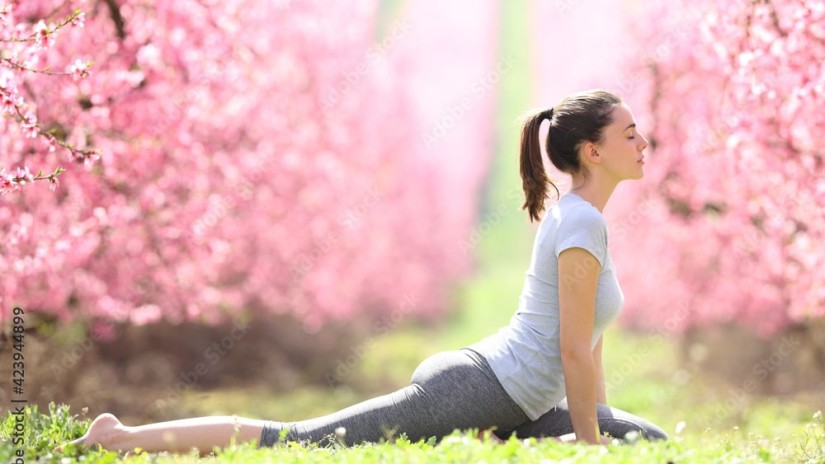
(680,427)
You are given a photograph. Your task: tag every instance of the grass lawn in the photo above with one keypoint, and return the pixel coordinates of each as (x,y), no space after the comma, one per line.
(805,444)
(698,412)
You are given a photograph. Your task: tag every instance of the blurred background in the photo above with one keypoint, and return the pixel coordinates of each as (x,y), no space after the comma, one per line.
(296,202)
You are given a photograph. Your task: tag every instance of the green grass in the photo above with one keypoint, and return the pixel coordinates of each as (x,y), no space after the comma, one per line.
(41,432)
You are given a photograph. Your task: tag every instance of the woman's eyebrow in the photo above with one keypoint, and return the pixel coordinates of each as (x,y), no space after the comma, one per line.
(628,127)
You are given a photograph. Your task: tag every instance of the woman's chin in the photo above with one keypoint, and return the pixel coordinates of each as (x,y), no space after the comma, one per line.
(636,176)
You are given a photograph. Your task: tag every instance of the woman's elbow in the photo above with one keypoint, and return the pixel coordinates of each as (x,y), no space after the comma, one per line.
(576,355)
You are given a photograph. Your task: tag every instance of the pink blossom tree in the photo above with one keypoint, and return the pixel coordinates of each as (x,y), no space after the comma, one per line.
(727,224)
(254,155)
(25,52)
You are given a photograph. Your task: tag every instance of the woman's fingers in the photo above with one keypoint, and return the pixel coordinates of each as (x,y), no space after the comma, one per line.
(571,438)
(567,438)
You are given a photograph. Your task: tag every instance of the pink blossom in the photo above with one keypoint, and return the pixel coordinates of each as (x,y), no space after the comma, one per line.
(734,175)
(5,13)
(146,314)
(23,176)
(193,125)
(41,34)
(79,69)
(79,20)
(7,102)
(29,125)
(7,183)
(52,143)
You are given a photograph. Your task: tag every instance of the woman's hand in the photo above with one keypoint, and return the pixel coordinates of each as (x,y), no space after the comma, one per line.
(571,438)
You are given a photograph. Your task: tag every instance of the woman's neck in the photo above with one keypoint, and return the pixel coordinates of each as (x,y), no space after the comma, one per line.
(594,192)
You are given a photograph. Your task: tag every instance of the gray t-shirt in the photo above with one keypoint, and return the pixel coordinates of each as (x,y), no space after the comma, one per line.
(525,355)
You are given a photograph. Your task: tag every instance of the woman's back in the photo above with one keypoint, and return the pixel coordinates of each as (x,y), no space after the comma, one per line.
(526,355)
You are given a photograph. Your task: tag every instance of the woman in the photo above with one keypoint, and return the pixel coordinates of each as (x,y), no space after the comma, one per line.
(540,376)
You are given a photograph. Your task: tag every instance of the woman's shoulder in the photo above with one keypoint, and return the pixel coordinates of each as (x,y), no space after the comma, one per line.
(581,225)
(573,211)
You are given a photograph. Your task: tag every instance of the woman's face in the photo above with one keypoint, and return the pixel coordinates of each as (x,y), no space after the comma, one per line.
(622,146)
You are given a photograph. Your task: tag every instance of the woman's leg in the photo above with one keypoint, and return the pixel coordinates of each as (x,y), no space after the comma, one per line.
(202,433)
(612,421)
(450,390)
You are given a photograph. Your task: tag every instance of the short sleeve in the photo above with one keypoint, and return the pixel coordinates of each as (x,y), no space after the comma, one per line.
(585,228)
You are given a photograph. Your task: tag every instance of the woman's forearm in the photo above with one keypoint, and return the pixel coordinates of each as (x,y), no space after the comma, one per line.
(580,383)
(601,393)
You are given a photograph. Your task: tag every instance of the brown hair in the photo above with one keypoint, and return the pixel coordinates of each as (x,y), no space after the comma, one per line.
(578,118)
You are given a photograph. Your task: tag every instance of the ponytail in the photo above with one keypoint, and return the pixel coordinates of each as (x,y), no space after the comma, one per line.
(579,117)
(534,178)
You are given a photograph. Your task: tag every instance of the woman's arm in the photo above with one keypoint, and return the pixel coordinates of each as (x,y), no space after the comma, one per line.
(578,278)
(601,394)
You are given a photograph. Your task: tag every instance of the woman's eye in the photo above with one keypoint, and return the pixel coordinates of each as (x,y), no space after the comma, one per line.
(632,137)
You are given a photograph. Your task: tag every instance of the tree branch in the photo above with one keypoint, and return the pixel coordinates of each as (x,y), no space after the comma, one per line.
(117,18)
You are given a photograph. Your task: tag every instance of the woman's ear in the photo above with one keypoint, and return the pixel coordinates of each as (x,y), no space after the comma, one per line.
(590,153)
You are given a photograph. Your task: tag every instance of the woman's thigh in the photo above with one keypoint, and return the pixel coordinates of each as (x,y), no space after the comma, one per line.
(612,421)
(463,392)
(449,390)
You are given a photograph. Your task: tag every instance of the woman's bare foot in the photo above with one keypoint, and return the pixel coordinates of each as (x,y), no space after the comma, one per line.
(492,436)
(105,430)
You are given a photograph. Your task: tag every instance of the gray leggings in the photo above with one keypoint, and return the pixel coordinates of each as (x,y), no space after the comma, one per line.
(448,391)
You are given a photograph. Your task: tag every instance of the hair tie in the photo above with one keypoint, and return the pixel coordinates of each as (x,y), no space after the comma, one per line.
(549,113)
